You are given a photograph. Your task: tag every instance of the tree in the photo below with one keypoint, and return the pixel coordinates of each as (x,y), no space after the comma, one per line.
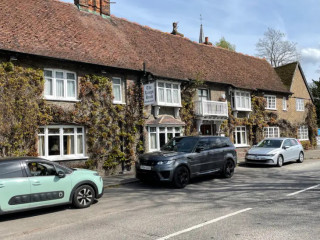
(223,43)
(276,49)
(315,91)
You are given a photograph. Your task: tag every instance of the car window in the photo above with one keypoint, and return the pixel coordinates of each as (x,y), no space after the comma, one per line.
(293,142)
(217,143)
(204,143)
(287,143)
(270,143)
(10,170)
(180,144)
(41,169)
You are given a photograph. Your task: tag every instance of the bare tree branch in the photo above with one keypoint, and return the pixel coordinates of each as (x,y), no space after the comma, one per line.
(276,49)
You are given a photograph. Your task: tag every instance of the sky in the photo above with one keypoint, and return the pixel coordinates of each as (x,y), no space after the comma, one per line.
(241,22)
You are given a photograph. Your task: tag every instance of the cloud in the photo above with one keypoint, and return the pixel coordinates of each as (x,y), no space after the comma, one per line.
(311,55)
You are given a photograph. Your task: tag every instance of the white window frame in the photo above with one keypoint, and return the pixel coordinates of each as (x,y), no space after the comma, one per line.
(65,85)
(284,104)
(303,132)
(269,132)
(166,103)
(236,96)
(121,98)
(300,104)
(157,132)
(61,134)
(271,99)
(240,129)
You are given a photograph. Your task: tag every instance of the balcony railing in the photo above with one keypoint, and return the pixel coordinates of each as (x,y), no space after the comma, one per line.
(211,108)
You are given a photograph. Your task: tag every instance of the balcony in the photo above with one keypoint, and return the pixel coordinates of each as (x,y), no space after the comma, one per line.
(211,109)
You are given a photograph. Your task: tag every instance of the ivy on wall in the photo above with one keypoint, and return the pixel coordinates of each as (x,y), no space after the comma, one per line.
(20,97)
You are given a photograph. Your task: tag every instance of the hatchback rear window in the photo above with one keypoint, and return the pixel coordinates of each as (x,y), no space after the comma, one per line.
(10,170)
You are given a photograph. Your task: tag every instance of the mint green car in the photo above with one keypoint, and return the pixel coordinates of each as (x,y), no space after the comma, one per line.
(29,183)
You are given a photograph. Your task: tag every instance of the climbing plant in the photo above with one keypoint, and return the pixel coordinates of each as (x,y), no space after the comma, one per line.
(20,97)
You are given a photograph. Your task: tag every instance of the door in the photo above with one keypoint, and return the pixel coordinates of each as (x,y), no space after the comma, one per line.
(47,188)
(14,187)
(288,153)
(295,148)
(206,129)
(220,147)
(199,160)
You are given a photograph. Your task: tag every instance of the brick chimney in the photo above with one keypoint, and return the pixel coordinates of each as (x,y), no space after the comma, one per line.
(206,41)
(101,7)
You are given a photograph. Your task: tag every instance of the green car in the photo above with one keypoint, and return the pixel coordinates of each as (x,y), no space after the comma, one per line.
(28,183)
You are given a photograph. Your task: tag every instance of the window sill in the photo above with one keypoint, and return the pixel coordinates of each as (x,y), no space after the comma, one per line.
(119,103)
(62,100)
(271,109)
(241,145)
(167,105)
(300,110)
(65,158)
(242,109)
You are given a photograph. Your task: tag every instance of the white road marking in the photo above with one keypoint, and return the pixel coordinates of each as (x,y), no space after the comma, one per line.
(203,224)
(291,194)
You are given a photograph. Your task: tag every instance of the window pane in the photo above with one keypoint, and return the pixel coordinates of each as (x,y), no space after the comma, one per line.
(79,130)
(169,96)
(68,145)
(162,137)
(53,130)
(59,74)
(116,81)
(161,94)
(153,129)
(168,85)
(48,73)
(169,129)
(48,87)
(161,85)
(162,129)
(41,145)
(175,96)
(177,129)
(71,89)
(41,130)
(117,92)
(54,145)
(68,130)
(153,141)
(80,144)
(71,76)
(60,88)
(169,136)
(175,86)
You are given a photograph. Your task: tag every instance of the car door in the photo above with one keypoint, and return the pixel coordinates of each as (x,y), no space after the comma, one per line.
(14,186)
(216,153)
(45,186)
(198,159)
(288,152)
(296,149)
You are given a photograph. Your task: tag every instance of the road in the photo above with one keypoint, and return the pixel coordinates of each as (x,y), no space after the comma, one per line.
(257,203)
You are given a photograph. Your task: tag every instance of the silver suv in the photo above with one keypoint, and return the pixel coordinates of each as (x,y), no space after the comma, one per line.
(183,158)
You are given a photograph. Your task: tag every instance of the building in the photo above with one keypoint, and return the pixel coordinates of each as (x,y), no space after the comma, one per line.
(69,41)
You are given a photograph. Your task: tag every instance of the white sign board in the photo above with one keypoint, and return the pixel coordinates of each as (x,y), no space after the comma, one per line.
(149,94)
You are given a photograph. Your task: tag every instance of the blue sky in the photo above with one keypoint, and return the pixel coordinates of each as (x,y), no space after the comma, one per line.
(241,22)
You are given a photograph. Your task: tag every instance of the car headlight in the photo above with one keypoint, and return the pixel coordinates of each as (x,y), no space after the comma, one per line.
(165,162)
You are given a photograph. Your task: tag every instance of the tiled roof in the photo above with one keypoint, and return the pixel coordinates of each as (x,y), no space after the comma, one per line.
(165,120)
(286,73)
(59,30)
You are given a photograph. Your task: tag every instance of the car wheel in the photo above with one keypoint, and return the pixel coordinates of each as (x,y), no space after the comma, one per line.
(280,161)
(301,157)
(141,178)
(228,170)
(83,196)
(181,177)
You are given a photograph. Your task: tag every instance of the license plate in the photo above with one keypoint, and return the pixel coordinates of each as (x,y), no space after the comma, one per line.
(145,167)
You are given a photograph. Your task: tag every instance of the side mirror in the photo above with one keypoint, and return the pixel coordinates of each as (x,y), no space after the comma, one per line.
(199,149)
(61,174)
(285,147)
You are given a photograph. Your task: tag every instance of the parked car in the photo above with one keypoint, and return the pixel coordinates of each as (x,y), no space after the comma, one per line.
(276,151)
(183,158)
(29,182)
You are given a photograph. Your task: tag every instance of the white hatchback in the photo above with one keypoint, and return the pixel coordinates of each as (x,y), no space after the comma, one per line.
(275,151)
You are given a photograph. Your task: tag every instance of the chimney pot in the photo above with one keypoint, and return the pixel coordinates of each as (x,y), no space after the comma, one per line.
(101,7)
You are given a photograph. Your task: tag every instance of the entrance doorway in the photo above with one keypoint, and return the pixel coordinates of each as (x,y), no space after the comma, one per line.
(206,129)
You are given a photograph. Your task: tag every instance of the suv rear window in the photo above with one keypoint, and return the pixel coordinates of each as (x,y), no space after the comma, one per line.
(10,169)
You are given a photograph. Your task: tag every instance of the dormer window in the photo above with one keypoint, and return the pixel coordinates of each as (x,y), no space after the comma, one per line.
(168,94)
(60,85)
(241,100)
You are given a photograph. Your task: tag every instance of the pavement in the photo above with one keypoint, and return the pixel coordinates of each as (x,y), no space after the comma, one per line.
(129,177)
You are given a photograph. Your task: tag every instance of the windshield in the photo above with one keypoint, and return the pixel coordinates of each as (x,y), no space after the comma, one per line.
(269,143)
(185,144)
